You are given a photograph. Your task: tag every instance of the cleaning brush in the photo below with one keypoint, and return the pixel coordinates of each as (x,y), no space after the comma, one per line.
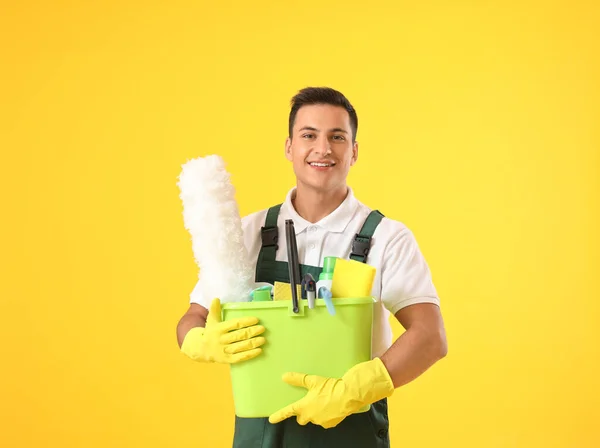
(211,216)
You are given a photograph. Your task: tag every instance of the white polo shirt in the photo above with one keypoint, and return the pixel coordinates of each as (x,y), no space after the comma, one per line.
(403,277)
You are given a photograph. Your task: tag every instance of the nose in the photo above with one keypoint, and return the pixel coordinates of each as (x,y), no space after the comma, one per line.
(323,145)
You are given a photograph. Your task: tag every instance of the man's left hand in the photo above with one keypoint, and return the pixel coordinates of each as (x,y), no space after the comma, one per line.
(330,400)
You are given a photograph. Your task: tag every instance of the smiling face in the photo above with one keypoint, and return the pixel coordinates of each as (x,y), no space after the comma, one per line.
(321,148)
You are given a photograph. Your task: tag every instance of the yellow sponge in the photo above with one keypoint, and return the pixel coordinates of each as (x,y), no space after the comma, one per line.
(352,278)
(283,291)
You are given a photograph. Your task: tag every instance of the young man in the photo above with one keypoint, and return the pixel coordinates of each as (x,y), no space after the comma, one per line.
(327,218)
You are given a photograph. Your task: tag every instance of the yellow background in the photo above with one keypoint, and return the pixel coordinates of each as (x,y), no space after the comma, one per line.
(478,126)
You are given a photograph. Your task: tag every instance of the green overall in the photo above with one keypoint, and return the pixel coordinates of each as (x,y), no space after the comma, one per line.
(362,430)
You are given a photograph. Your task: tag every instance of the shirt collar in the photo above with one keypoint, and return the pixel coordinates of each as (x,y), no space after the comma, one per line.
(336,221)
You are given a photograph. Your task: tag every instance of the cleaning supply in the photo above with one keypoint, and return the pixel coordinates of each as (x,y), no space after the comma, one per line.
(331,400)
(293,263)
(283,291)
(309,289)
(261,295)
(325,293)
(211,216)
(326,276)
(352,279)
(312,342)
(228,342)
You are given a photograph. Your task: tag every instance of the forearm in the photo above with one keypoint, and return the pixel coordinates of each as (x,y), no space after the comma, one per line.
(415,351)
(187,322)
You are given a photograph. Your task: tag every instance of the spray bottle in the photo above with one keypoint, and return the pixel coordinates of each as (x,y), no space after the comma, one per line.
(326,276)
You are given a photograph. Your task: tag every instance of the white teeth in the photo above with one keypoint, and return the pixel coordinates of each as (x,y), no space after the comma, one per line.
(320,164)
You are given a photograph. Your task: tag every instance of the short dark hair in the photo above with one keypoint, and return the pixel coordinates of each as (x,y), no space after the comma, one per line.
(322,95)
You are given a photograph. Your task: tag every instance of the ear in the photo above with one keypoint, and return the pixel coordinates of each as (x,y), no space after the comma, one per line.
(288,149)
(354,154)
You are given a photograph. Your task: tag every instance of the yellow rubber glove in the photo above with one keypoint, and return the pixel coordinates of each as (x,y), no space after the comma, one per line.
(226,342)
(331,400)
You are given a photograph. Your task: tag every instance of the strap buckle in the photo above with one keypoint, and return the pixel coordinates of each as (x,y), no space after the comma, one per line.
(361,245)
(269,236)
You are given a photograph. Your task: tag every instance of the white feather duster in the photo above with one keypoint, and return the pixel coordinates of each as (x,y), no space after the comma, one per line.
(211,215)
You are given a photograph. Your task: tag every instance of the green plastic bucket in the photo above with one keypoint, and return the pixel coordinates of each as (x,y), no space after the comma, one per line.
(311,342)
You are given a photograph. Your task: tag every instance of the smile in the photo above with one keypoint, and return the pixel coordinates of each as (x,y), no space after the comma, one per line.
(321,164)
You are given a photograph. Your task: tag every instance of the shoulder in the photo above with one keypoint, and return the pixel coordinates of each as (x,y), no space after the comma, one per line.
(254,217)
(252,223)
(391,236)
(255,220)
(398,242)
(388,228)
(392,228)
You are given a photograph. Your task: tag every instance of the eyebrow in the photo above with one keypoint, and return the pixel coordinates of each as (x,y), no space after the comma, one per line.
(310,128)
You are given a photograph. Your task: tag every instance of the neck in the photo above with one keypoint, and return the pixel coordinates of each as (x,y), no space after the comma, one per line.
(315,205)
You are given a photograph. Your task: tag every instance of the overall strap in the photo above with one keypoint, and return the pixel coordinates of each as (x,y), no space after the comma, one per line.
(362,240)
(269,235)
(267,268)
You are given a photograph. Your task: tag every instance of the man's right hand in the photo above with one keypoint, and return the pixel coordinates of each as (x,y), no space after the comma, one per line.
(226,342)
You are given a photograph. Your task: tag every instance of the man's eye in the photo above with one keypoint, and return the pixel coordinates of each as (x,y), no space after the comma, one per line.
(339,137)
(307,136)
